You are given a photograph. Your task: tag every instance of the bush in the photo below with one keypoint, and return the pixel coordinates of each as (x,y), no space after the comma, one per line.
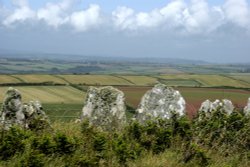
(64,145)
(45,144)
(33,159)
(193,141)
(196,154)
(13,142)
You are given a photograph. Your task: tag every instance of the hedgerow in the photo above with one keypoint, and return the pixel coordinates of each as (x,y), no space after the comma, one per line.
(194,141)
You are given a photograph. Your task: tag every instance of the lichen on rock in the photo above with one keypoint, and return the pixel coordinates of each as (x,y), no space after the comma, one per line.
(15,113)
(247,108)
(12,109)
(105,108)
(160,102)
(207,107)
(35,117)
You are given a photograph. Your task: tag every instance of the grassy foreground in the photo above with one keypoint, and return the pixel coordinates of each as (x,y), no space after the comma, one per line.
(217,141)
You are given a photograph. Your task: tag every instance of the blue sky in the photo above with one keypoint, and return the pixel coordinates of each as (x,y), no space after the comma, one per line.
(217,31)
(109,5)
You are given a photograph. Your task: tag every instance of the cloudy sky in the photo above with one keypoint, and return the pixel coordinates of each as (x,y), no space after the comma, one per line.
(210,30)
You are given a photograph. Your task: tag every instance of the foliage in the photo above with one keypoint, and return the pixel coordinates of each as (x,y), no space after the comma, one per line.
(198,142)
(13,142)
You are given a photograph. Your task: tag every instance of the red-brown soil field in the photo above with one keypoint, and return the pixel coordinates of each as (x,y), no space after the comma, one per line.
(193,96)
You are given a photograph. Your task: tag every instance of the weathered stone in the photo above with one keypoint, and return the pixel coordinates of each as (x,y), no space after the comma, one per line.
(15,113)
(12,113)
(105,108)
(247,108)
(34,114)
(208,107)
(160,102)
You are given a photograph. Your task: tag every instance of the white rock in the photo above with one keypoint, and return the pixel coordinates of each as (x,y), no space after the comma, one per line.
(247,108)
(160,102)
(208,107)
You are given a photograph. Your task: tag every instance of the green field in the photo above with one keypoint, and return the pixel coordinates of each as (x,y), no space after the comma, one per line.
(63,112)
(208,80)
(241,77)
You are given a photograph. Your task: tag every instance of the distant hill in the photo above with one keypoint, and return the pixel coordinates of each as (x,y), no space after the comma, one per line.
(68,57)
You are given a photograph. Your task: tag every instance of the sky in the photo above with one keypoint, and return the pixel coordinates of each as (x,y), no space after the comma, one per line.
(209,30)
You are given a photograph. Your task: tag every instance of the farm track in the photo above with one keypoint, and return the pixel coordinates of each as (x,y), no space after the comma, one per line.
(18,78)
(237,79)
(124,79)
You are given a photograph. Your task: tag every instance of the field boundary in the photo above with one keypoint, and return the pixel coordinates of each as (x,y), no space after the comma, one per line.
(62,78)
(236,79)
(124,79)
(19,79)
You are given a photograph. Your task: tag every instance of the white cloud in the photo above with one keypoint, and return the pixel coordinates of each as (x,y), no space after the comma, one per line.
(191,17)
(173,13)
(54,14)
(196,17)
(86,19)
(20,14)
(122,17)
(20,3)
(237,11)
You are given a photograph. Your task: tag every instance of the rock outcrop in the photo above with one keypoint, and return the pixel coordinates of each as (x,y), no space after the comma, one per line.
(247,108)
(15,113)
(208,107)
(160,102)
(12,109)
(34,115)
(105,108)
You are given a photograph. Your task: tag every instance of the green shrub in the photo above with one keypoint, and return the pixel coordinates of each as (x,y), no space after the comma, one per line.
(124,149)
(64,145)
(45,144)
(196,154)
(33,159)
(12,142)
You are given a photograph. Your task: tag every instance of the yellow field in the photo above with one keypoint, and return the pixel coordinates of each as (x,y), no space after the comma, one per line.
(242,77)
(8,79)
(209,80)
(39,78)
(95,79)
(141,80)
(48,94)
(188,80)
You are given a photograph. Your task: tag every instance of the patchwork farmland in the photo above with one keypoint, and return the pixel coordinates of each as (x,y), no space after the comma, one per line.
(63,95)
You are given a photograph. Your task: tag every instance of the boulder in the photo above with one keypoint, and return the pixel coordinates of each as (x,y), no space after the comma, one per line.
(15,113)
(12,109)
(160,102)
(247,108)
(34,115)
(208,107)
(105,108)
